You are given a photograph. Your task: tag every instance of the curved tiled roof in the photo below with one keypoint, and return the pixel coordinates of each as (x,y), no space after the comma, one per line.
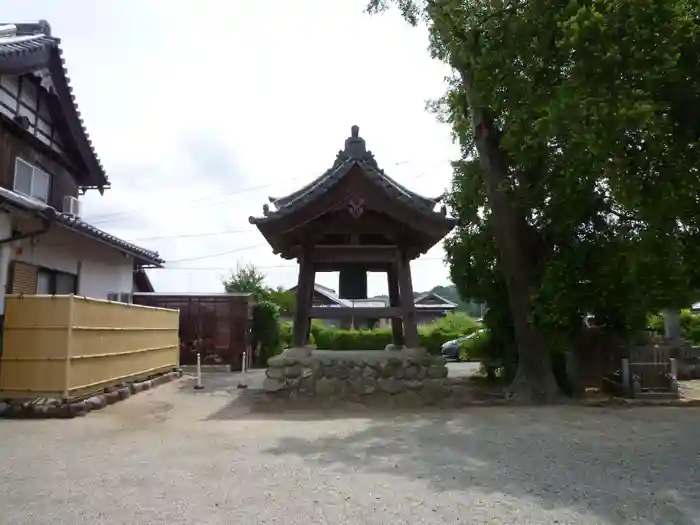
(354,154)
(31,49)
(78,225)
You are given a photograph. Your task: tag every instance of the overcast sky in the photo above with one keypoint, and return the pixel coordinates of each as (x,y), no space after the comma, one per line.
(201,109)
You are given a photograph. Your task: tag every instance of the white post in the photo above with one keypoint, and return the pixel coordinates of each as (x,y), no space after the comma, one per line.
(244,364)
(674,368)
(626,374)
(198,383)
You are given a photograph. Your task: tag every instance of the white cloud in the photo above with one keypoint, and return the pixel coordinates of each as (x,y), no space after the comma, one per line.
(189,103)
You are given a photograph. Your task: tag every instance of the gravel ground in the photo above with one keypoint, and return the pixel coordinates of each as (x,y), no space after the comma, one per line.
(173,456)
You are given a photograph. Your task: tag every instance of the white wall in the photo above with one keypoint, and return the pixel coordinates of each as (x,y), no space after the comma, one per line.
(100,268)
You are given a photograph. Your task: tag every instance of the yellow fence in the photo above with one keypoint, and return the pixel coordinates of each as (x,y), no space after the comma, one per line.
(67,346)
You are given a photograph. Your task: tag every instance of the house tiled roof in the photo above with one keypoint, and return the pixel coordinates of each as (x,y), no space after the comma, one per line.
(78,225)
(354,154)
(375,302)
(30,48)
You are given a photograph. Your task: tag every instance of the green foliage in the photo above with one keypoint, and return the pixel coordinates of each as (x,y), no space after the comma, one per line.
(269,303)
(248,279)
(476,348)
(596,120)
(285,300)
(432,336)
(690,325)
(266,329)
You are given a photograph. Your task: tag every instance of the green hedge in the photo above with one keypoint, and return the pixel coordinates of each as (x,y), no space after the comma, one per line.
(432,336)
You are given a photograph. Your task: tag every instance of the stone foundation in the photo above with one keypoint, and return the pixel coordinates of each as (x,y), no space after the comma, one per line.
(57,408)
(405,377)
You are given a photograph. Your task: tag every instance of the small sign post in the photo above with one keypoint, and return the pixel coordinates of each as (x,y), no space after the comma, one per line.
(198,383)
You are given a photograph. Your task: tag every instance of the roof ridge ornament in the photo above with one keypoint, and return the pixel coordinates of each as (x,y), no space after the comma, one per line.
(355,145)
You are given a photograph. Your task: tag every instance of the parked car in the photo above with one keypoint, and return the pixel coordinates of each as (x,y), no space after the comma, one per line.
(450,349)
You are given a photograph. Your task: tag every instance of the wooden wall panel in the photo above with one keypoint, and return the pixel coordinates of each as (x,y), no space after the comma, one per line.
(23,278)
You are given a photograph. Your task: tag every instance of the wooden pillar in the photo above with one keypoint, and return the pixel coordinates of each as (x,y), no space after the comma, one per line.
(394,300)
(408,303)
(305,290)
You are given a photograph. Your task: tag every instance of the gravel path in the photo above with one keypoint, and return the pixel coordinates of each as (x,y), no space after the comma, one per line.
(173,456)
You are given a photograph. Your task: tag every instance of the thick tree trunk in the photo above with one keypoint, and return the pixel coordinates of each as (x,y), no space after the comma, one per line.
(534,380)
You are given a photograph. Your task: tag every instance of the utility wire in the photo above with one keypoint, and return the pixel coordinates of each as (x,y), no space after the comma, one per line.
(121,215)
(264,267)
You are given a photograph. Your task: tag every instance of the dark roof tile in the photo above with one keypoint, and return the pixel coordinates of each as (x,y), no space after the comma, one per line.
(354,154)
(32,49)
(78,225)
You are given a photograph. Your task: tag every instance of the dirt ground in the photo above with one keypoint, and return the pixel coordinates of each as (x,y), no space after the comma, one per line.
(174,455)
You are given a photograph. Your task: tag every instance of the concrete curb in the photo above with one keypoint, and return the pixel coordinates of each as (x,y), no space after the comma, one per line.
(57,409)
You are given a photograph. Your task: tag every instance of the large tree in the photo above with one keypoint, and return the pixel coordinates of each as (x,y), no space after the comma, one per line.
(584,118)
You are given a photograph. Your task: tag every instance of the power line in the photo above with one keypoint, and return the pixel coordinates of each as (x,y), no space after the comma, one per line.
(264,267)
(190,235)
(212,255)
(121,215)
(224,232)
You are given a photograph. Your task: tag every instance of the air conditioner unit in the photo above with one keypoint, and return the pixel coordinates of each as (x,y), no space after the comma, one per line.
(125,297)
(72,206)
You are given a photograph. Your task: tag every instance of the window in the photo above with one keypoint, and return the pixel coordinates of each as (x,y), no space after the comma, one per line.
(51,282)
(31,181)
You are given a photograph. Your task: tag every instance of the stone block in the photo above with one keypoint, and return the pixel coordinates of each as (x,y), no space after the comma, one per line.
(391,386)
(355,373)
(399,372)
(386,371)
(111,397)
(147,385)
(293,371)
(326,387)
(413,384)
(296,352)
(275,373)
(78,409)
(340,371)
(96,402)
(369,372)
(273,385)
(124,393)
(275,362)
(307,386)
(410,372)
(438,360)
(3,407)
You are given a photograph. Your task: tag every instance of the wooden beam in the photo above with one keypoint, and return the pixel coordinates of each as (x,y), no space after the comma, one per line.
(395,301)
(352,254)
(340,312)
(305,289)
(408,304)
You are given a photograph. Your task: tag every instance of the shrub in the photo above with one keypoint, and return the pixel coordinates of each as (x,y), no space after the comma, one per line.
(475,348)
(266,329)
(432,336)
(690,325)
(286,335)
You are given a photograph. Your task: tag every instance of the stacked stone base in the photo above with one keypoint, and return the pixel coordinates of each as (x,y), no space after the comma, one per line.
(57,408)
(372,378)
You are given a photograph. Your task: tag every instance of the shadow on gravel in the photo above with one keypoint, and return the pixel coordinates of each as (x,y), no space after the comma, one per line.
(622,466)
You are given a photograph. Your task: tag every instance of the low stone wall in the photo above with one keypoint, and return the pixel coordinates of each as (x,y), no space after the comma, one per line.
(397,378)
(57,408)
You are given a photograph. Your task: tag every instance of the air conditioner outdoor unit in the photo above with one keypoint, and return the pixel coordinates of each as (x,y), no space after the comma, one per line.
(72,206)
(125,297)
